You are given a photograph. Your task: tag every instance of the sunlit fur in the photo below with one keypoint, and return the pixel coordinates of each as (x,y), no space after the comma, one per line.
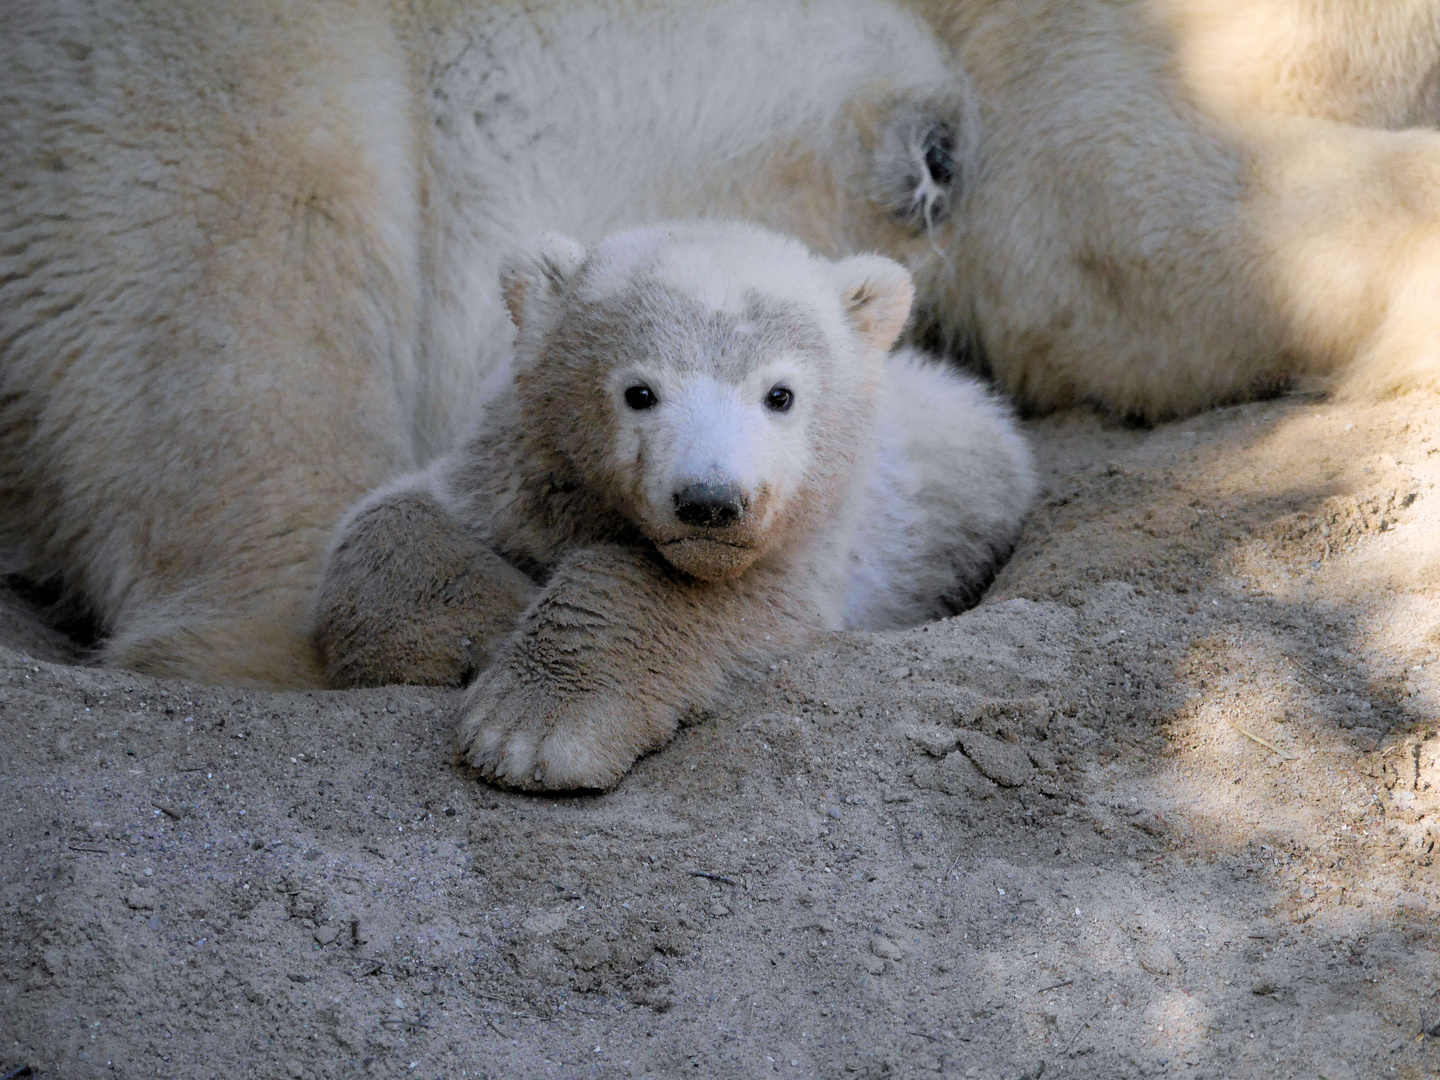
(949,479)
(1178,203)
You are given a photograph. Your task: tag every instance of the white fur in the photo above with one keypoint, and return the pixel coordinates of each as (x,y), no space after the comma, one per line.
(711,429)
(711,422)
(599,667)
(248,250)
(950,479)
(1184,202)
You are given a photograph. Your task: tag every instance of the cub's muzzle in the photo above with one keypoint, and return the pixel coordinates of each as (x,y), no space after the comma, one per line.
(711,504)
(716,536)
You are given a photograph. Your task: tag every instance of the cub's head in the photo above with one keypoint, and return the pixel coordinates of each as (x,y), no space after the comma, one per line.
(711,383)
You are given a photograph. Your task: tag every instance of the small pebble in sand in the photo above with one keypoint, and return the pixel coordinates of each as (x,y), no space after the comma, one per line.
(326,934)
(1159,959)
(884,948)
(934,740)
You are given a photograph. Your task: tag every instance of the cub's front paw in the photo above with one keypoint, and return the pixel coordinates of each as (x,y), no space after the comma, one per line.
(522,730)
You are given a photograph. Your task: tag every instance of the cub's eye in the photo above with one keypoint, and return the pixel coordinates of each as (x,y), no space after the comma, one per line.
(779,399)
(641,397)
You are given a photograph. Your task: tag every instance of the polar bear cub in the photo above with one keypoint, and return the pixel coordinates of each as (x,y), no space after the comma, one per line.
(701,452)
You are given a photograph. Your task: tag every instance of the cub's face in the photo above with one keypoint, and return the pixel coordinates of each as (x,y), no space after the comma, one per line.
(714,382)
(716,421)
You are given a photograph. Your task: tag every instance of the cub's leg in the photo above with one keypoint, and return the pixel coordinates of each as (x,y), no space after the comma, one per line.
(946,496)
(603,664)
(410,595)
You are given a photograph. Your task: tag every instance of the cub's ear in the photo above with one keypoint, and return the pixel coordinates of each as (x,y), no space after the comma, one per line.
(876,293)
(535,272)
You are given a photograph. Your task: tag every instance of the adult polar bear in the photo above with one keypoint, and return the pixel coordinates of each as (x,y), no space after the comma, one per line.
(247,251)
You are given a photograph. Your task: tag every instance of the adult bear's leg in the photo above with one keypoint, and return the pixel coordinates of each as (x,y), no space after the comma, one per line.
(207,303)
(1349,222)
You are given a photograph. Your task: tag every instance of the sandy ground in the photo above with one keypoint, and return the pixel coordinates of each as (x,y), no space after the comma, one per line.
(1164,805)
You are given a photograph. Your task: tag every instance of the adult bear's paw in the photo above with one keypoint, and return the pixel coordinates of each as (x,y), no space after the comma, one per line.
(521,730)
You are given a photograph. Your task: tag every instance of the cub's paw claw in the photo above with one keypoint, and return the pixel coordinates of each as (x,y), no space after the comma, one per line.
(521,735)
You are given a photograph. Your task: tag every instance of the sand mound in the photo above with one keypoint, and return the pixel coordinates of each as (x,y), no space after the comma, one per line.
(1165,804)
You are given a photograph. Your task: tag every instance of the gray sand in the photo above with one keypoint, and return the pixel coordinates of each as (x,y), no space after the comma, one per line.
(1163,805)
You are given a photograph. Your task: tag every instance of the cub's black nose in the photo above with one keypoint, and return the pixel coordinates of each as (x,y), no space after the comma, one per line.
(708,505)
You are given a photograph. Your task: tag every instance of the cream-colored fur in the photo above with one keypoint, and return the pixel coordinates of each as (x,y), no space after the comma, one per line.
(1184,202)
(248,251)
(950,481)
(703,452)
